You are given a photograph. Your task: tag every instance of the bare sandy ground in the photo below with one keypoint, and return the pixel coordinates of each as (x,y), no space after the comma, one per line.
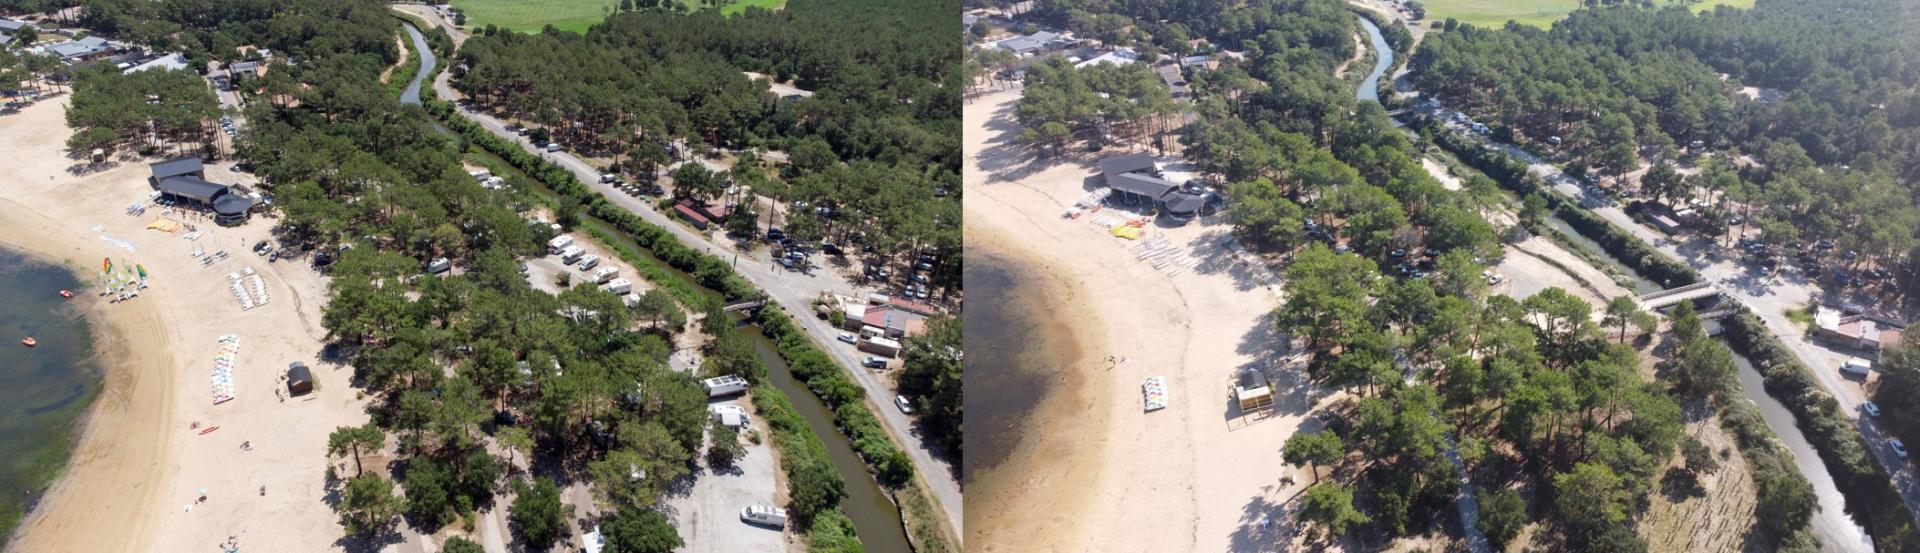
(138,466)
(1197,476)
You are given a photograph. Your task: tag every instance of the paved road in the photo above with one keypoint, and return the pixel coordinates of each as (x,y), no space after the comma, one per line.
(793,291)
(1768,295)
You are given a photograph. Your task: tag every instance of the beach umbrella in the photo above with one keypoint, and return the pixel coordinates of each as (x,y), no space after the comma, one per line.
(106,264)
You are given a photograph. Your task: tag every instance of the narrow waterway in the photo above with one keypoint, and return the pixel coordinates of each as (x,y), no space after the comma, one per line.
(1370,88)
(1837,531)
(874,516)
(427,61)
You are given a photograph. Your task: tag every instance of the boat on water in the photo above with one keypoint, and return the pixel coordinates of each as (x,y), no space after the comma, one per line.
(66,293)
(29,341)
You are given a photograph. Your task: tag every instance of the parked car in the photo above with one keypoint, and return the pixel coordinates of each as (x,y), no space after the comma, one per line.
(1871,409)
(904,405)
(1898,447)
(873,362)
(764,515)
(848,337)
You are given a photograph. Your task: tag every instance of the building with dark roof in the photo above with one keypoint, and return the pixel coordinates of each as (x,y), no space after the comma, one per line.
(1135,178)
(1183,206)
(191,190)
(189,166)
(1141,184)
(231,208)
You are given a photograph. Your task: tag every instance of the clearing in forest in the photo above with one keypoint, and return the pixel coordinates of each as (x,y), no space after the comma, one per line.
(1538,13)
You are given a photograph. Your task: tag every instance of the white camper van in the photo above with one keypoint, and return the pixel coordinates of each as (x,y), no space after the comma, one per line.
(620,286)
(559,243)
(762,514)
(724,385)
(572,254)
(589,262)
(605,274)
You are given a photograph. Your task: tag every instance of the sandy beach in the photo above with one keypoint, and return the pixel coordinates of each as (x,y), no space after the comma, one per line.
(1197,476)
(138,468)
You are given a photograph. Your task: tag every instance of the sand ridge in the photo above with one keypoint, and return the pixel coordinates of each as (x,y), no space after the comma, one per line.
(137,465)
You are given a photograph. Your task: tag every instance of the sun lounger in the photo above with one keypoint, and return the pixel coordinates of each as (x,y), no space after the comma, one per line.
(1155,392)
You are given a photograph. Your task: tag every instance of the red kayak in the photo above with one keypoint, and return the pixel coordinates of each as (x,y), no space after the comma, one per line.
(204,431)
(29,341)
(66,294)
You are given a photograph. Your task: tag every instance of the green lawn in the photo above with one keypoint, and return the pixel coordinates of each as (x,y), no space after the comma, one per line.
(1538,13)
(568,15)
(521,15)
(741,6)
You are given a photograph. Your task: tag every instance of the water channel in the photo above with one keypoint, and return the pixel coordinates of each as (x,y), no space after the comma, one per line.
(1370,88)
(427,61)
(875,518)
(1837,531)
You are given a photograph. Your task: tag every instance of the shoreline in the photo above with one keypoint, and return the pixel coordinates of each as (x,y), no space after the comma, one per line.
(1066,427)
(141,477)
(120,435)
(1198,475)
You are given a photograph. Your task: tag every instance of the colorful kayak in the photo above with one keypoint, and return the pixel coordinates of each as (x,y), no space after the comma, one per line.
(66,293)
(29,341)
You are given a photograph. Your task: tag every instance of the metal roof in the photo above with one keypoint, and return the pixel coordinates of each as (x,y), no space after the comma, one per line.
(176,167)
(1141,184)
(192,188)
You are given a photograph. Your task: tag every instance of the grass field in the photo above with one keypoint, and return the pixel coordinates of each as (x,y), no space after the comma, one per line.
(569,15)
(741,6)
(1538,13)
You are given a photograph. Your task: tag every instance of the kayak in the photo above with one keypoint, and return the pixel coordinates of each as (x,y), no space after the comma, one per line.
(66,294)
(29,341)
(204,431)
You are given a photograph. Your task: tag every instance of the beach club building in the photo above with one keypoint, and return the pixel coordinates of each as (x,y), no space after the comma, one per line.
(1136,180)
(183,182)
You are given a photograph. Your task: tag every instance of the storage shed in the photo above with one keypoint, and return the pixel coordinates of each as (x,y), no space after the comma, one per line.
(299,379)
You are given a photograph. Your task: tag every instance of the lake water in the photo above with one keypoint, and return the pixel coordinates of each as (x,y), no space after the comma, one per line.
(43,389)
(1006,377)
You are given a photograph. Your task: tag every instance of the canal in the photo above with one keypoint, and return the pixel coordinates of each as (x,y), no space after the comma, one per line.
(1370,88)
(427,61)
(874,515)
(1837,531)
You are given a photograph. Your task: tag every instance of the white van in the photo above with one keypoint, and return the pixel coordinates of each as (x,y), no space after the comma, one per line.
(765,515)
(589,262)
(1856,367)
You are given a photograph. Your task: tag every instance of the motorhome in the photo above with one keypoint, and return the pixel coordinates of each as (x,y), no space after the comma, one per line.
(724,385)
(620,286)
(765,515)
(589,262)
(559,243)
(605,274)
(572,254)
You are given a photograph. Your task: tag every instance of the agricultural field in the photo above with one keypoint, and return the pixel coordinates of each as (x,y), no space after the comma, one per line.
(1538,13)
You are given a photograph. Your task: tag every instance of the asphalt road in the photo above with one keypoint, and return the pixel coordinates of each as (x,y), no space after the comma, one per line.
(793,291)
(1768,295)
